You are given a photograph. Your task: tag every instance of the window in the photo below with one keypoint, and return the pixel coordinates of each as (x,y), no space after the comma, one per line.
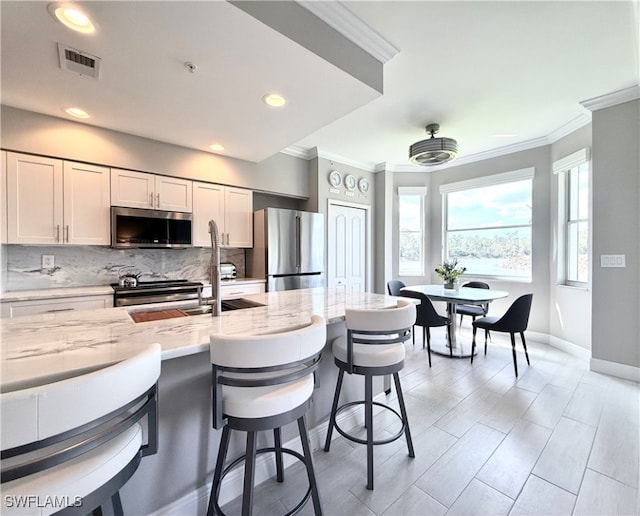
(487,224)
(573,209)
(411,230)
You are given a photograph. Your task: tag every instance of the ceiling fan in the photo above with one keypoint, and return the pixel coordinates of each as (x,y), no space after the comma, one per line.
(433,151)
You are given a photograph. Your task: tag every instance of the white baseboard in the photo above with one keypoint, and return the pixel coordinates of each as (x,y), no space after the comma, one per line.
(624,371)
(196,501)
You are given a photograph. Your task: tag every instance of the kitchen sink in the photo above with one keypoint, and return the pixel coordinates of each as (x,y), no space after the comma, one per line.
(171,313)
(226,305)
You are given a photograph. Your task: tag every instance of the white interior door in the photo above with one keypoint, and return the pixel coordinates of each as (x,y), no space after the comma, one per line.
(346,247)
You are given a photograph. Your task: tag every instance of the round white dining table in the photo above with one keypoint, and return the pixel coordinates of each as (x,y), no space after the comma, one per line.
(457,348)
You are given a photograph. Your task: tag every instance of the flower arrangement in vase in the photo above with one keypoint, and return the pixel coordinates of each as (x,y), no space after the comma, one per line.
(450,272)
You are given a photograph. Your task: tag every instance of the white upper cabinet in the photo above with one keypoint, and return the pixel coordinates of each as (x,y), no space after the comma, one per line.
(142,190)
(50,201)
(231,208)
(238,217)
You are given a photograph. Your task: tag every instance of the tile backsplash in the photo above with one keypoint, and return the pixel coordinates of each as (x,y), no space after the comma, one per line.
(84,266)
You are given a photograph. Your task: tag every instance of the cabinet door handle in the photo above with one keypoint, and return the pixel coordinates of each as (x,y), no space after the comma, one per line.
(57,232)
(158,200)
(67,229)
(60,310)
(151,199)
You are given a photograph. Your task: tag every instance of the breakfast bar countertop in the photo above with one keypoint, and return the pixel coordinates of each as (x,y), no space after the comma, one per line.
(42,348)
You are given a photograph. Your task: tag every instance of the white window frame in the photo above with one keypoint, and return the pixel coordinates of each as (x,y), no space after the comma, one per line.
(562,169)
(481,182)
(414,191)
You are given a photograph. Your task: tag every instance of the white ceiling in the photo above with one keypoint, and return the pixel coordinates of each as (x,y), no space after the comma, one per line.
(478,68)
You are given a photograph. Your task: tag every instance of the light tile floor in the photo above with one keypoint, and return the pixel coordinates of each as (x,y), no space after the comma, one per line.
(559,439)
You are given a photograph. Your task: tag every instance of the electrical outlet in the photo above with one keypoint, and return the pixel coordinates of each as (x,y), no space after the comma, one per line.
(47,261)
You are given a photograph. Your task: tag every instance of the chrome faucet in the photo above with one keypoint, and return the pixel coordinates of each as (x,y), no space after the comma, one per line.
(216,306)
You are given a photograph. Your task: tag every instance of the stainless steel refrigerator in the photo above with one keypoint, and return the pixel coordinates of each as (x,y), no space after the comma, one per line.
(288,249)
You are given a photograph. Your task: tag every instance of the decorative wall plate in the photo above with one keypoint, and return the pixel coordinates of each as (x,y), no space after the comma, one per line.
(335,178)
(350,182)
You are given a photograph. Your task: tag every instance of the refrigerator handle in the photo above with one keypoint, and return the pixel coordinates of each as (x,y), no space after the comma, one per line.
(298,252)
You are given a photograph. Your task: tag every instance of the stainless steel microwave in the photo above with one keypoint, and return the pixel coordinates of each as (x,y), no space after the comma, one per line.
(136,227)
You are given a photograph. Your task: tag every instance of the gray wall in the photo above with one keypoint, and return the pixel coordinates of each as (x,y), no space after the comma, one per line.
(25,131)
(540,158)
(616,230)
(569,307)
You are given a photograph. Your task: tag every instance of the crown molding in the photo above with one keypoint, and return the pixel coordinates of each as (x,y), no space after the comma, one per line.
(336,15)
(612,99)
(564,130)
(571,126)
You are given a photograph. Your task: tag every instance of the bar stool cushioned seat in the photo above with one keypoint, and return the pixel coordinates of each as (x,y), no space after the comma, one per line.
(373,346)
(69,446)
(263,382)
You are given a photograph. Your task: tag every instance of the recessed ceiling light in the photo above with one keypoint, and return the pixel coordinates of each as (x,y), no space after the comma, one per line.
(77,112)
(216,147)
(72,17)
(274,100)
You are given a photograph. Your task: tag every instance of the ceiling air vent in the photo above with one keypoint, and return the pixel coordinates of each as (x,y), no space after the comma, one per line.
(78,62)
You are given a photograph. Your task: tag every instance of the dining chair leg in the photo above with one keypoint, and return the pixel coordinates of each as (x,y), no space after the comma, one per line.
(413,334)
(513,351)
(429,350)
(450,328)
(461,316)
(426,336)
(524,345)
(486,334)
(473,343)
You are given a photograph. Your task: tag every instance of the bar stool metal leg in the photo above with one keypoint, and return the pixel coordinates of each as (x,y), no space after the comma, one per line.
(403,412)
(368,423)
(217,475)
(249,474)
(334,408)
(277,437)
(308,461)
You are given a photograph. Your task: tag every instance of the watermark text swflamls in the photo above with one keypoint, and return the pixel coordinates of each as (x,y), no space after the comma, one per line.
(35,501)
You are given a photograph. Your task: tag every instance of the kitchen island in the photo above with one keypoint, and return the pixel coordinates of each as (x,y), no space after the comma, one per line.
(43,348)
(38,349)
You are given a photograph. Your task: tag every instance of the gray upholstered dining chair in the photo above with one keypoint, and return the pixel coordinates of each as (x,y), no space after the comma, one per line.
(515,320)
(394,286)
(473,310)
(427,317)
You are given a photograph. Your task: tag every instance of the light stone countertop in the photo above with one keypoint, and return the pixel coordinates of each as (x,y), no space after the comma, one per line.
(41,348)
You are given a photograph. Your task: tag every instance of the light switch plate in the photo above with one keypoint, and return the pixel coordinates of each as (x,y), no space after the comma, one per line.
(612,260)
(47,261)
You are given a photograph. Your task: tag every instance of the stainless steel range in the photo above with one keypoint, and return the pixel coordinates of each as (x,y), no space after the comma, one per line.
(156,292)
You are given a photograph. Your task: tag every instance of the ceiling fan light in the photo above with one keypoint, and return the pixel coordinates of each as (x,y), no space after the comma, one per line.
(433,151)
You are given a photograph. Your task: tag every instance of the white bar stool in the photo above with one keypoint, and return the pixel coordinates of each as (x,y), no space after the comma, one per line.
(373,346)
(69,446)
(263,382)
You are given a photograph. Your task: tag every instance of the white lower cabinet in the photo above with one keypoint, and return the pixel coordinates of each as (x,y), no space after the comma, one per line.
(238,290)
(11,309)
